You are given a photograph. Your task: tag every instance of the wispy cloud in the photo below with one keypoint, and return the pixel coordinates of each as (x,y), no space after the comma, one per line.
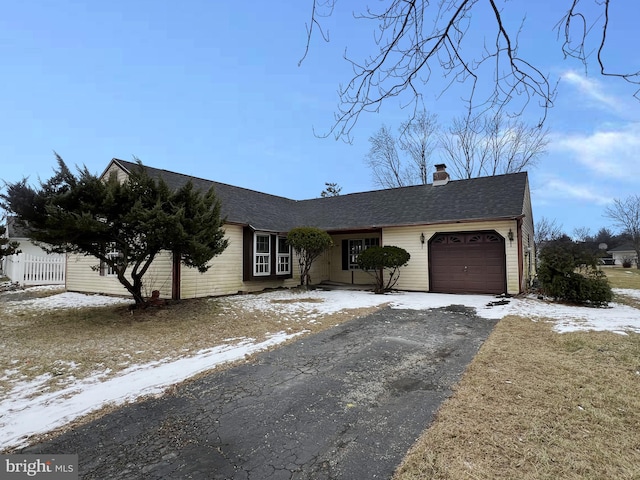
(611,152)
(554,189)
(594,90)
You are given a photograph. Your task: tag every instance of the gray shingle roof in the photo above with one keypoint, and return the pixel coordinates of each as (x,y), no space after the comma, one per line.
(497,197)
(628,247)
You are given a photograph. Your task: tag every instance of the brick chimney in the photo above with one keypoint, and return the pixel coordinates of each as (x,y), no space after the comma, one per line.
(440,176)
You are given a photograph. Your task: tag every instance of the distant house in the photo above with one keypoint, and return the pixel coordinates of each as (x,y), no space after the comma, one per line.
(33,265)
(464,236)
(622,253)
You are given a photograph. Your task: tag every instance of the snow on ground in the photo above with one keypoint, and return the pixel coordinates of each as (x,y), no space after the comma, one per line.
(628,292)
(64,300)
(21,413)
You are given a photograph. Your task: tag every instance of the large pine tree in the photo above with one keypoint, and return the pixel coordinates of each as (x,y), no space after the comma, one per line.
(138,218)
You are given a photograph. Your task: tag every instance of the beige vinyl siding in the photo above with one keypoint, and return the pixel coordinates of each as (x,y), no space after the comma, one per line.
(83,275)
(158,277)
(337,274)
(224,277)
(415,276)
(528,244)
(225,272)
(121,175)
(320,268)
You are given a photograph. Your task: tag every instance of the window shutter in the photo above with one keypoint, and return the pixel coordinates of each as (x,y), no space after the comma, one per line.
(345,254)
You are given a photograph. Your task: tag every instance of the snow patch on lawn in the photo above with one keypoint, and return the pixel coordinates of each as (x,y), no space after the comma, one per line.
(64,300)
(627,292)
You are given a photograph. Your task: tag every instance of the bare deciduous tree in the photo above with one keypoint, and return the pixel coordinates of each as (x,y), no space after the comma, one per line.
(581,234)
(546,230)
(417,139)
(626,215)
(384,161)
(513,146)
(415,39)
(463,148)
(477,146)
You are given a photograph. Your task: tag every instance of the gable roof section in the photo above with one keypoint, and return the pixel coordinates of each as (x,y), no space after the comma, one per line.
(14,229)
(485,198)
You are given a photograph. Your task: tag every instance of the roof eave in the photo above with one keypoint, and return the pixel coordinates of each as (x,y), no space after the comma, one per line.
(427,223)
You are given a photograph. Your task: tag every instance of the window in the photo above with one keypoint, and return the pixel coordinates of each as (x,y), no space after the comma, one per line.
(262,255)
(106,269)
(355,247)
(283,265)
(266,256)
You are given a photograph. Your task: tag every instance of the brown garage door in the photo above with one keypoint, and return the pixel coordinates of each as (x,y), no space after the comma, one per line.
(467,263)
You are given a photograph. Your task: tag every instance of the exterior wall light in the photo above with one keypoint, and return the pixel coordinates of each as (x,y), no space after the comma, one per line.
(510,236)
(422,238)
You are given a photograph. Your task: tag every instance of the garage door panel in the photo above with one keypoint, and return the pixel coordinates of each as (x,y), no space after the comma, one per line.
(467,263)
(492,270)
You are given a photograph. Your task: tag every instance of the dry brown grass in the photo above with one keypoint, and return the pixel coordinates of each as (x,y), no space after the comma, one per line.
(626,278)
(623,277)
(58,347)
(537,404)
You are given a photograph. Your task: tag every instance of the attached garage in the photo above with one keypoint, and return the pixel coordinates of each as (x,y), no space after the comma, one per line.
(469,262)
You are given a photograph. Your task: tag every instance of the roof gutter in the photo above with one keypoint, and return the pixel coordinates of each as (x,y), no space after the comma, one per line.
(416,224)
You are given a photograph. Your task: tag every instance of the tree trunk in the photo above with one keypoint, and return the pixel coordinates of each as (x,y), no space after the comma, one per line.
(175,276)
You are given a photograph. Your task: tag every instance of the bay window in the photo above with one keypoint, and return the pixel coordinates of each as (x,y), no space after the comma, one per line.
(267,256)
(262,255)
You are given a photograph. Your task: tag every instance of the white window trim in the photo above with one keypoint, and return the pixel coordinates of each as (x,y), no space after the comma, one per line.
(364,244)
(107,270)
(355,244)
(280,255)
(256,256)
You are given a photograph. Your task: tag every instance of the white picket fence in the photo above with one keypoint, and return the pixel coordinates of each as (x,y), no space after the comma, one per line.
(29,269)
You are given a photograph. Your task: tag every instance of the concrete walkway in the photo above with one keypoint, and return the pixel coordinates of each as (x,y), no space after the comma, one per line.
(346,403)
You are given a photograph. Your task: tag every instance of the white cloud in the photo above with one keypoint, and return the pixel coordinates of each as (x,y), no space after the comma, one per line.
(593,90)
(555,189)
(612,153)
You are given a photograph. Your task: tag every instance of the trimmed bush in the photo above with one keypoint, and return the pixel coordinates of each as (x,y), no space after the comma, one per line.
(378,259)
(308,243)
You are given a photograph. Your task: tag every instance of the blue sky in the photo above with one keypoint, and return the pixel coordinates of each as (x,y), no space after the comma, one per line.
(214,90)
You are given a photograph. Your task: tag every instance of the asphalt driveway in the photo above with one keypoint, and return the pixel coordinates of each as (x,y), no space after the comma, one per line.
(346,403)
